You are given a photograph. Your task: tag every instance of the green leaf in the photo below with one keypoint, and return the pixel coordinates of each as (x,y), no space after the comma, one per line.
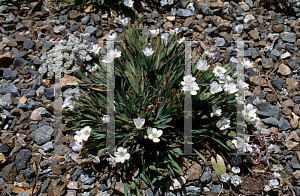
(126,188)
(218,165)
(217,140)
(201,156)
(145,178)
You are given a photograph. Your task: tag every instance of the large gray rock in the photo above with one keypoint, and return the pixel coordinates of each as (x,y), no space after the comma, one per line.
(205,10)
(284,124)
(22,159)
(288,37)
(184,12)
(42,134)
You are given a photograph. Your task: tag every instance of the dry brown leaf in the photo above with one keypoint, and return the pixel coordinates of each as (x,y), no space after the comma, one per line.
(17,190)
(34,166)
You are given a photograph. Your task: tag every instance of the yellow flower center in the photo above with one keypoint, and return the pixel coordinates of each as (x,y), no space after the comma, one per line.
(213,90)
(219,71)
(155,136)
(86,133)
(138,125)
(215,111)
(247,112)
(122,155)
(256,122)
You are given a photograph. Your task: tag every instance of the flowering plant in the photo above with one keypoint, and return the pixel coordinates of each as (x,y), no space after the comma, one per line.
(150,88)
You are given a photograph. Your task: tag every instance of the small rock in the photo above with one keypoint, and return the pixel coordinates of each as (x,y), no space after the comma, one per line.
(9,41)
(285,55)
(167,25)
(296,174)
(278,28)
(35,115)
(184,13)
(267,63)
(22,159)
(73,185)
(284,124)
(171,18)
(28,44)
(205,9)
(177,183)
(47,147)
(288,37)
(254,34)
(219,41)
(5,58)
(194,172)
(291,83)
(294,63)
(42,134)
(284,70)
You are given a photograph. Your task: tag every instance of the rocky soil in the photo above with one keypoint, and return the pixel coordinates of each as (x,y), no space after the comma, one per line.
(35,159)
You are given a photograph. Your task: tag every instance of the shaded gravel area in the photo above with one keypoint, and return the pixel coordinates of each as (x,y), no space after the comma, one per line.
(27,96)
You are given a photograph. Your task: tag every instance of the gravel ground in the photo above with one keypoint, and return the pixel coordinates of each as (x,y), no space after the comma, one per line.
(28,123)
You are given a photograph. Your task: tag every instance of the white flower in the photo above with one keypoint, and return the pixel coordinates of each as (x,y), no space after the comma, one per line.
(230,88)
(247,148)
(202,65)
(154,32)
(235,169)
(181,40)
(187,80)
(124,21)
(239,143)
(112,160)
(193,87)
(139,122)
(247,63)
(77,146)
(209,54)
(78,139)
(222,79)
(225,177)
(249,111)
(219,71)
(116,53)
(186,88)
(276,175)
(274,184)
(155,134)
(267,188)
(69,103)
(242,84)
(94,68)
(85,133)
(164,37)
(216,111)
(112,36)
(171,31)
(128,3)
(224,124)
(96,49)
(109,57)
(163,2)
(105,119)
(255,121)
(148,51)
(236,180)
(121,155)
(215,87)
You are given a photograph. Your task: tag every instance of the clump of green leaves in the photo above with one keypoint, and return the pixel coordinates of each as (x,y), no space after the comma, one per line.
(149,87)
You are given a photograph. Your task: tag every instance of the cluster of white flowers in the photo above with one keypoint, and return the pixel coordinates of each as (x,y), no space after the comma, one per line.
(81,136)
(76,42)
(111,55)
(189,84)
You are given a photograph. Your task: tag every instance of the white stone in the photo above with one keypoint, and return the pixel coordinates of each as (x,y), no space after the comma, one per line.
(285,55)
